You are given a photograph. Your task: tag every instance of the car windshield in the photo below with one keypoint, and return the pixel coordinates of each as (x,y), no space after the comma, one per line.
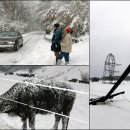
(4,34)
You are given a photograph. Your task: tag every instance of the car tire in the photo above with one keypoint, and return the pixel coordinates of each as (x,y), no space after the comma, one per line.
(21,44)
(16,47)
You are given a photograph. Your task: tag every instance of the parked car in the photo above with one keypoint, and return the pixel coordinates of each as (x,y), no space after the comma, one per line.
(11,39)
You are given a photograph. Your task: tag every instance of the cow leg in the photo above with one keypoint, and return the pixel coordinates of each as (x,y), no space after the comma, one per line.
(32,122)
(67,107)
(57,120)
(65,121)
(24,124)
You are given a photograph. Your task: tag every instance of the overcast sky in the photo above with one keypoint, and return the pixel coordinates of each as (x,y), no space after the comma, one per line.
(109,33)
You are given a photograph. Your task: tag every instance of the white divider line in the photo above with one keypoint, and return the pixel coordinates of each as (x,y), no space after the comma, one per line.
(64,89)
(44,110)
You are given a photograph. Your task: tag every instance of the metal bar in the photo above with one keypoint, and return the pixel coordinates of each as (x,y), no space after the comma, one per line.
(109,96)
(116,94)
(123,76)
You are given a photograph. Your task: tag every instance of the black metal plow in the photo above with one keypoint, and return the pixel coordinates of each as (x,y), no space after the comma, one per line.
(109,95)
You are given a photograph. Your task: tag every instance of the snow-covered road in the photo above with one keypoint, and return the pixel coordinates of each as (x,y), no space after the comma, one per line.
(36,51)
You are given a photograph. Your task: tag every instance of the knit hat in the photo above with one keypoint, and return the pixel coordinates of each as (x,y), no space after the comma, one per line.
(57,25)
(68,29)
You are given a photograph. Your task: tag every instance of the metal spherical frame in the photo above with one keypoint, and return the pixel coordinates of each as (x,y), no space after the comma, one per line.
(109,68)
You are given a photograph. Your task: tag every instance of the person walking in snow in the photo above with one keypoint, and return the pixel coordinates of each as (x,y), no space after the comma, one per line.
(56,39)
(66,47)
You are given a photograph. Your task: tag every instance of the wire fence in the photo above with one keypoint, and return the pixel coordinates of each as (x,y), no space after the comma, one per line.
(44,110)
(63,89)
(47,86)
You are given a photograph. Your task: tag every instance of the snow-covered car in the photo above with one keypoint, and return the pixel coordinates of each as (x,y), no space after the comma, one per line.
(11,39)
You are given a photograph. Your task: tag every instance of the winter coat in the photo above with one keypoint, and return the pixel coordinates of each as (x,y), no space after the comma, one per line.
(66,44)
(56,39)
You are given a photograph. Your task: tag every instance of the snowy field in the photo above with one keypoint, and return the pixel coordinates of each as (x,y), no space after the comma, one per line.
(114,114)
(61,73)
(36,51)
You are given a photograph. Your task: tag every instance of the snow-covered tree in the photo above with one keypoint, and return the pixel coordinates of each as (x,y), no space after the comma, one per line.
(14,14)
(70,13)
(41,15)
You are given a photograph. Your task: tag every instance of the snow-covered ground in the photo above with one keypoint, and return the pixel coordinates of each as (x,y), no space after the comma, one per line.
(4,125)
(61,73)
(114,114)
(36,51)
